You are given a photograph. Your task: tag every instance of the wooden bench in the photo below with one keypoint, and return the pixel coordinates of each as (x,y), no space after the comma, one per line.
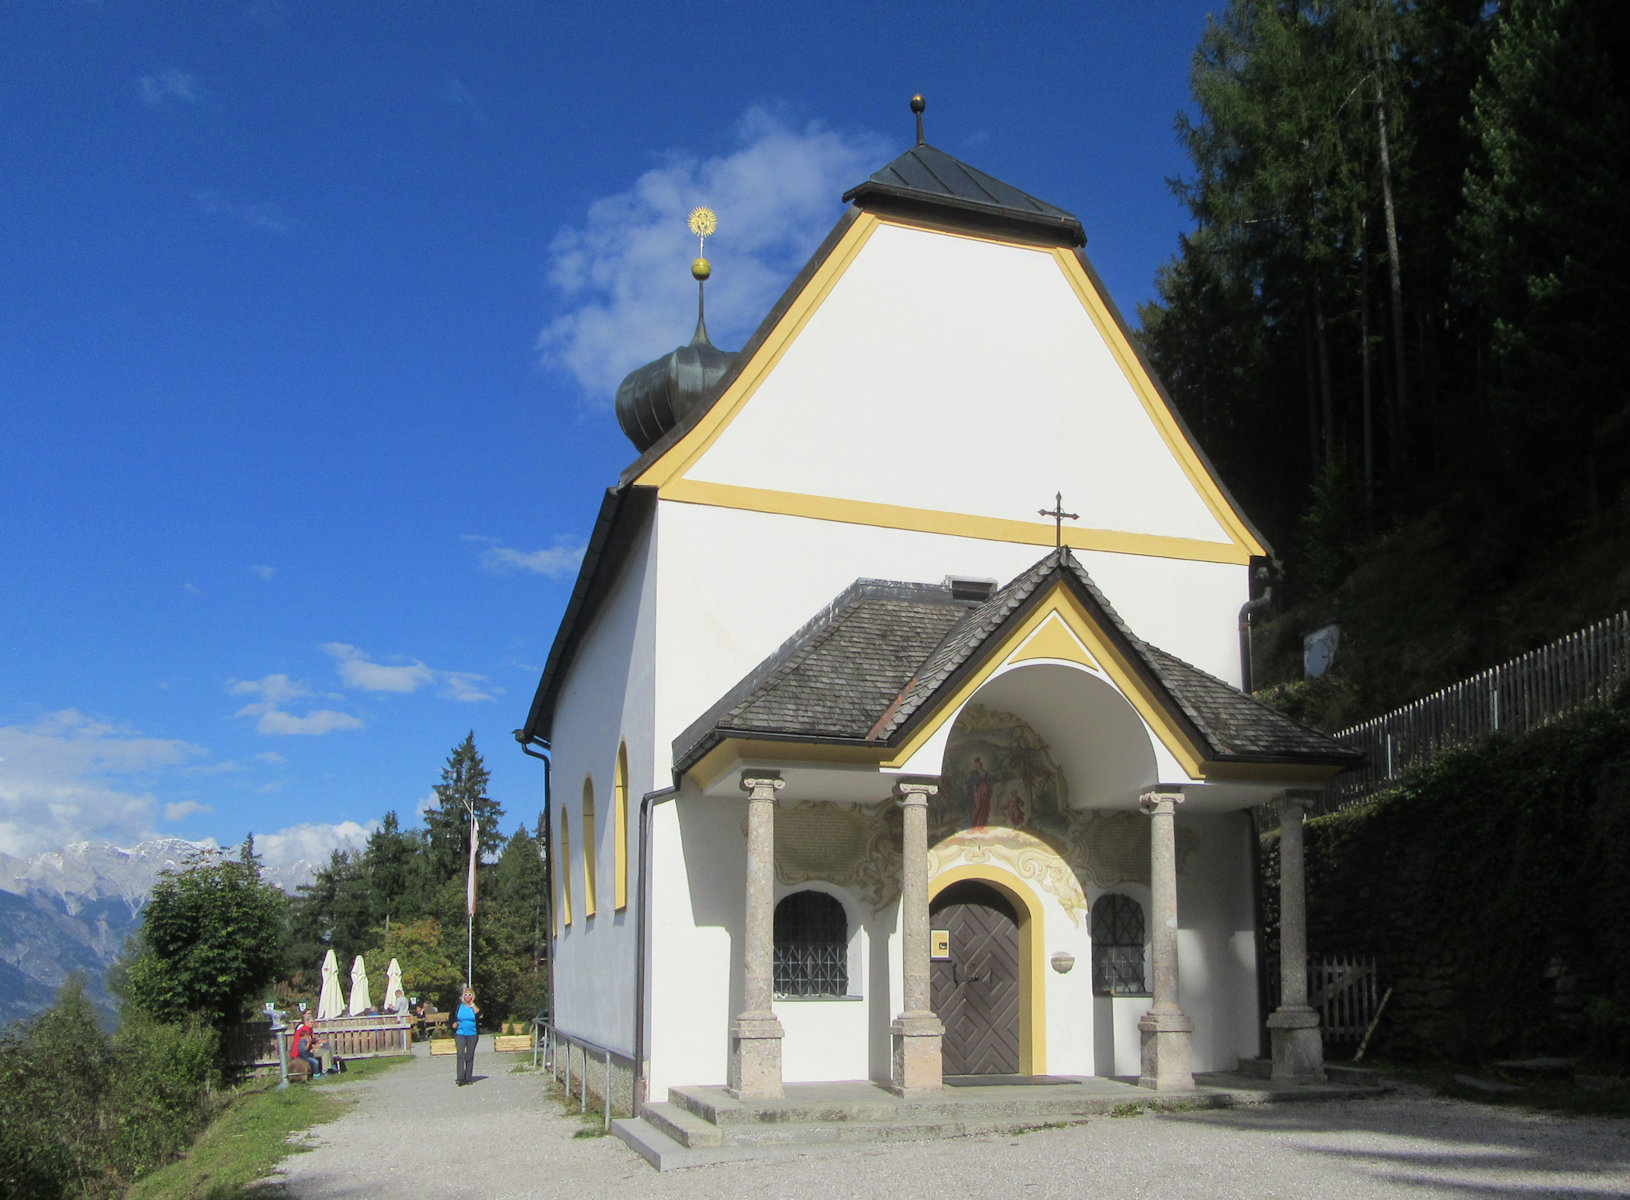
(434,1025)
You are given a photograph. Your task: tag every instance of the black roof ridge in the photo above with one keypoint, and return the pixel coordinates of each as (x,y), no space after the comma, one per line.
(978,196)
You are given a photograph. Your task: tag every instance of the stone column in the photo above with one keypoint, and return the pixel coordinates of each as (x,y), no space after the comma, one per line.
(916,1032)
(755,1036)
(1164,1030)
(1298,1049)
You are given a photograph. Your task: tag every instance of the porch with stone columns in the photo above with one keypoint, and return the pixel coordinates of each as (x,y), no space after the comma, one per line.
(1165,1032)
(1298,1047)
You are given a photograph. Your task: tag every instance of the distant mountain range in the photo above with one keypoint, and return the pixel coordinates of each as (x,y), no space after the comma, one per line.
(73,909)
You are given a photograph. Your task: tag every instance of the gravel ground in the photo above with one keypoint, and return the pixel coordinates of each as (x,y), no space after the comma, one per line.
(416,1134)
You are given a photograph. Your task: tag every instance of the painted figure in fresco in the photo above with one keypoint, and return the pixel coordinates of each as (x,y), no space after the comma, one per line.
(981,793)
(1014,808)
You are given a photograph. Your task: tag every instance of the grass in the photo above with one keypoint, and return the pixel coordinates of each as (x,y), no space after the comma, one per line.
(250,1138)
(590,1120)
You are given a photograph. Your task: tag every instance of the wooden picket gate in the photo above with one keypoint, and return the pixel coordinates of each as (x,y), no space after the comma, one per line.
(1341,988)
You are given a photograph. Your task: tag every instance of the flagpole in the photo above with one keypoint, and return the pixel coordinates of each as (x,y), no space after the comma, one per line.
(469,905)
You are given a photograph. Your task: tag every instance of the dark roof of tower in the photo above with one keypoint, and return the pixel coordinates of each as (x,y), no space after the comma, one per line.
(654,398)
(925,181)
(869,664)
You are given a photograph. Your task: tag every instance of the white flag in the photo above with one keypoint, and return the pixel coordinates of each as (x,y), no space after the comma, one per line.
(469,891)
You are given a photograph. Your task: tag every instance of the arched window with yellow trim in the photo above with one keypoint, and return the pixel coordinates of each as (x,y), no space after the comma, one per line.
(619,825)
(563,867)
(589,846)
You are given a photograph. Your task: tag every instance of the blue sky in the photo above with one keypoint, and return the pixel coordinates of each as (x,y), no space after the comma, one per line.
(312,318)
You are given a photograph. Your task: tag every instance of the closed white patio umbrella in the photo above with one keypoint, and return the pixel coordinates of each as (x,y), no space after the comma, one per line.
(331,1000)
(393,984)
(359,988)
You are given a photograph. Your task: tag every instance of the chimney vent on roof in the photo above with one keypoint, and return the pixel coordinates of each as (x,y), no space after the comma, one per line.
(964,588)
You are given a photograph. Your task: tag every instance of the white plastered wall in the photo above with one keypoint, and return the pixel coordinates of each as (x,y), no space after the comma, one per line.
(1216,940)
(605,698)
(959,375)
(735,584)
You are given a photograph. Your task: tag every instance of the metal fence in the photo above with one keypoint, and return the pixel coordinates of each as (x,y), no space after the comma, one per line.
(1529,691)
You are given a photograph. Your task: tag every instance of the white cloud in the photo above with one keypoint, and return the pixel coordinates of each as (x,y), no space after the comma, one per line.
(190,588)
(623,275)
(325,720)
(311,841)
(155,89)
(275,692)
(557,562)
(357,669)
(69,777)
(184,808)
(262,570)
(264,215)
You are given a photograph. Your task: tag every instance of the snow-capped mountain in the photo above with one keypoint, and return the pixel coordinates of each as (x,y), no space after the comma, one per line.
(73,909)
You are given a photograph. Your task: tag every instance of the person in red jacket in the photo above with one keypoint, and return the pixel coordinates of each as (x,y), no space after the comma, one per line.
(302,1045)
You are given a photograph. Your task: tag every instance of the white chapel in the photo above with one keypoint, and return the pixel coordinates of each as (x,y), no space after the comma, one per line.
(871,762)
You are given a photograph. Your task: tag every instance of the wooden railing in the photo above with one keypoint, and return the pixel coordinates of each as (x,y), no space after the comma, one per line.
(253,1044)
(1517,696)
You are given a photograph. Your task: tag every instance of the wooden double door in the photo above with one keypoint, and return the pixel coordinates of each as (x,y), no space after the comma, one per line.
(975,989)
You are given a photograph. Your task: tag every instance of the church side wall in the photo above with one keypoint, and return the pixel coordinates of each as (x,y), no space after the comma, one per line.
(698,889)
(606,699)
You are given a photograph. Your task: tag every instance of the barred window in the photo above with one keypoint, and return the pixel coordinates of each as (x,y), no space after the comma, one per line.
(811,946)
(1117,946)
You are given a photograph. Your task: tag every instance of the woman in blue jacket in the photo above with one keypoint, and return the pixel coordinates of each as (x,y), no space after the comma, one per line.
(464,1035)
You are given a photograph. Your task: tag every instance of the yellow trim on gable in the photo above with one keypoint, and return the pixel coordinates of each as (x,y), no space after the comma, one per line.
(1061,601)
(1143,387)
(1032,955)
(1054,640)
(668,472)
(682,455)
(927,520)
(717,762)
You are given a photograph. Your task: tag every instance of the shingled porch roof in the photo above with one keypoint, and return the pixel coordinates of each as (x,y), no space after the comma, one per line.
(870,665)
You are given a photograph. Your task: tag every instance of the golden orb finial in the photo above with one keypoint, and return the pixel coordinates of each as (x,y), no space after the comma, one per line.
(700,270)
(917,106)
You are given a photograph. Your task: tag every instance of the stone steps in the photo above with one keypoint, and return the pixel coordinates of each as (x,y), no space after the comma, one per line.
(702,1125)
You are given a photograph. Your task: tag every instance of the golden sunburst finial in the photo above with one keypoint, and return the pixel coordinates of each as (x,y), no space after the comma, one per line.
(702,222)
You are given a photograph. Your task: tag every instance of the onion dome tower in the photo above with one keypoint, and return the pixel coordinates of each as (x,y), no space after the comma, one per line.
(656,397)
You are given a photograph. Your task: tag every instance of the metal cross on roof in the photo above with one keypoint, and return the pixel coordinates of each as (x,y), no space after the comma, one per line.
(1059,516)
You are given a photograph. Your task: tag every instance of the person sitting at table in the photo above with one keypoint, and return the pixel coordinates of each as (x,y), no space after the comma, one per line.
(427,1009)
(399,1006)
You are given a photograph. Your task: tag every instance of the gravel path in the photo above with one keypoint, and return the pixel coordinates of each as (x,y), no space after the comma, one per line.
(415,1134)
